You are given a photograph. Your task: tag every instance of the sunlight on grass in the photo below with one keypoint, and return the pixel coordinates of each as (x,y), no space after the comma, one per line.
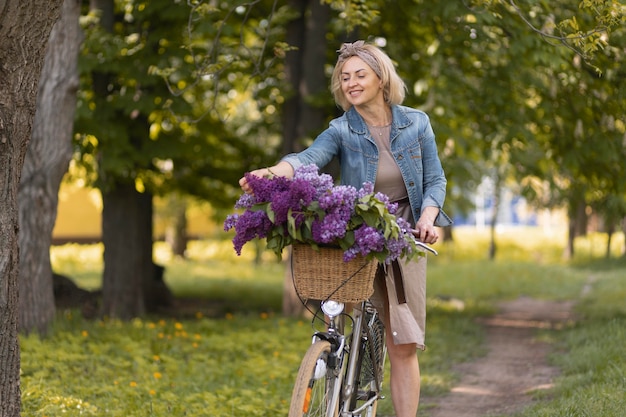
(174,367)
(242,360)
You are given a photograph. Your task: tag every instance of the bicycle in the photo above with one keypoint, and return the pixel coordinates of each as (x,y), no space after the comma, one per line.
(341,374)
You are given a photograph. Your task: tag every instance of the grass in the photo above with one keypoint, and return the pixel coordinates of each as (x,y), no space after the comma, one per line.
(242,361)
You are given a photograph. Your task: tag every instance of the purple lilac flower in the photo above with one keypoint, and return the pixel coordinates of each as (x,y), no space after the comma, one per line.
(250,225)
(368,239)
(296,199)
(404,224)
(338,205)
(309,173)
(281,205)
(396,247)
(339,196)
(302,192)
(331,228)
(368,188)
(264,188)
(350,254)
(231,221)
(245,201)
(384,198)
(304,197)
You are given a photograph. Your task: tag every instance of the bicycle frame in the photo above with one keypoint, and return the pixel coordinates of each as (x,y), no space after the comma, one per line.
(348,362)
(341,374)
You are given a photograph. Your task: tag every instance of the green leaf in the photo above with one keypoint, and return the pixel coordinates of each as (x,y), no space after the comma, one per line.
(270,214)
(370,218)
(349,238)
(291,224)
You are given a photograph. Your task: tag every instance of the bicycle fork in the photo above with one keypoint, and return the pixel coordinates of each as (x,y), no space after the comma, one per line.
(345,368)
(335,372)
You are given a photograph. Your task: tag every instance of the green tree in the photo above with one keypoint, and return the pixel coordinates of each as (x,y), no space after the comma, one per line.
(491,86)
(141,136)
(228,95)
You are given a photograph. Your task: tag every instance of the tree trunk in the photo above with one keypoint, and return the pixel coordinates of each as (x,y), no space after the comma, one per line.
(624,234)
(155,292)
(494,218)
(176,229)
(314,85)
(293,74)
(292,306)
(46,162)
(24,32)
(577,225)
(610,232)
(127,238)
(448,234)
(304,70)
(129,272)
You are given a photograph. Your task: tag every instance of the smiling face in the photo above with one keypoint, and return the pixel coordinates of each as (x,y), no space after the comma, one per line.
(360,84)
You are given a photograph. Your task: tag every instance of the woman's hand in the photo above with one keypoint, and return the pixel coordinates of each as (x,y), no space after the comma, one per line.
(262,172)
(425,230)
(282,169)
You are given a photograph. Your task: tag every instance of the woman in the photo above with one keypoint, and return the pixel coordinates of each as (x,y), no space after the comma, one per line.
(392,146)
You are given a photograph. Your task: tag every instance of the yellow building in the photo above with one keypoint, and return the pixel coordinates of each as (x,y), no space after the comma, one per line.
(79,217)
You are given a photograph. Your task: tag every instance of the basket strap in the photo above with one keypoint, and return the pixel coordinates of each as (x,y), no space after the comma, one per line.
(398,279)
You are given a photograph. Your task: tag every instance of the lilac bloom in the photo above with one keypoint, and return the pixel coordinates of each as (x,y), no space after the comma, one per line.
(321,212)
(245,201)
(368,239)
(250,225)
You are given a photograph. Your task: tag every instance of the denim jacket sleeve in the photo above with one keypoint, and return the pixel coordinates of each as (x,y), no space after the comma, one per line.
(434,180)
(323,149)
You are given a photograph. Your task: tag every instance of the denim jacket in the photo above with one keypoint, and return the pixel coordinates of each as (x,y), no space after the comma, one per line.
(412,145)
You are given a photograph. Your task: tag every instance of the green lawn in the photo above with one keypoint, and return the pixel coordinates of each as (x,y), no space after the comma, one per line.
(242,361)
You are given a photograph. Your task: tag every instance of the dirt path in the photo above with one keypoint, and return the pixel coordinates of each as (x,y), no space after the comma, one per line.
(515,365)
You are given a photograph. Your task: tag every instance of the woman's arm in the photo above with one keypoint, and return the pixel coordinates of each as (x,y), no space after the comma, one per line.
(281,169)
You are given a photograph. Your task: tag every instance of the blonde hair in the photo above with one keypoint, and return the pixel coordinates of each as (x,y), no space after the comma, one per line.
(394,88)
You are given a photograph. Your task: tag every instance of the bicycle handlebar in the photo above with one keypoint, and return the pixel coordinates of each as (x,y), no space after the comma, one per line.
(425,246)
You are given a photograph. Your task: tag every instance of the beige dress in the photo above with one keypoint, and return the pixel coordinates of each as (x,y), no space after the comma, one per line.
(403,284)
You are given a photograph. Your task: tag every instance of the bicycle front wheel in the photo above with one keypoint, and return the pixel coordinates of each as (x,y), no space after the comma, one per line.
(315,393)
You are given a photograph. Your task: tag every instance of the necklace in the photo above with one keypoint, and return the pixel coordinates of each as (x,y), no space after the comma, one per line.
(378,129)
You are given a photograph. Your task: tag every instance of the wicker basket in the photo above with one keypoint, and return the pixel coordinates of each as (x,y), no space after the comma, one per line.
(322,274)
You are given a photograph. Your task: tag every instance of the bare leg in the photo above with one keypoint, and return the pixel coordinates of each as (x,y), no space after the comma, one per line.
(405,376)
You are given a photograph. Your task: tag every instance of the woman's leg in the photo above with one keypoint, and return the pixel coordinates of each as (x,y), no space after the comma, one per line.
(405,376)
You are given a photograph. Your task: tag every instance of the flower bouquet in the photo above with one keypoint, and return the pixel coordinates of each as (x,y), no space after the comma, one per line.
(339,234)
(311,210)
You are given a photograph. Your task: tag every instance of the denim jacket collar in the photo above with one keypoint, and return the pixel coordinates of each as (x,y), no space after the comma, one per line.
(399,120)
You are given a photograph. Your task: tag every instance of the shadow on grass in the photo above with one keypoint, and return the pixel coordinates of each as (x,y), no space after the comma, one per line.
(600,264)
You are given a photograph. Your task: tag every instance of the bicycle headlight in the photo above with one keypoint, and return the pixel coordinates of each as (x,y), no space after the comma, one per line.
(332,308)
